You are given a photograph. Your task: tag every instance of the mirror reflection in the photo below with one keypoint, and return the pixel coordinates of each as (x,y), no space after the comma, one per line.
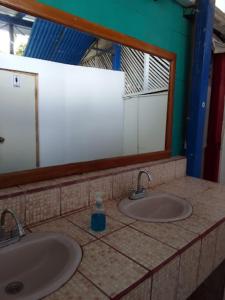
(67,96)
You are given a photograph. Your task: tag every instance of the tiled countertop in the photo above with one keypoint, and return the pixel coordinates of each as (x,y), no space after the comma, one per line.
(134,260)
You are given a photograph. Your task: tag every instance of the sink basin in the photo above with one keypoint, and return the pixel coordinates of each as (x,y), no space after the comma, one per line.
(156,207)
(37,265)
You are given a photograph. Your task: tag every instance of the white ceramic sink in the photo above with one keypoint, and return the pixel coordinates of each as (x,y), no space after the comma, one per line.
(37,265)
(156,207)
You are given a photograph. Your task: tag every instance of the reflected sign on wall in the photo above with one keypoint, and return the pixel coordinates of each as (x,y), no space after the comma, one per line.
(16,80)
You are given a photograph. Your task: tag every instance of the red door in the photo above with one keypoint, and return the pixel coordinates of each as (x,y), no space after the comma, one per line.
(212,152)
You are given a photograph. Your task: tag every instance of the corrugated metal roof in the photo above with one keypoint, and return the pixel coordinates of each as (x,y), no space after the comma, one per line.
(55,42)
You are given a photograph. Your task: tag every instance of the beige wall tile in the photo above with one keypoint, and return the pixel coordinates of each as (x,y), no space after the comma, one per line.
(68,179)
(77,288)
(168,172)
(108,269)
(65,227)
(135,174)
(102,185)
(112,210)
(141,292)
(165,281)
(220,245)
(122,184)
(211,212)
(74,196)
(180,167)
(195,224)
(206,264)
(38,185)
(98,174)
(189,263)
(168,233)
(42,205)
(140,247)
(185,187)
(9,192)
(210,197)
(17,205)
(83,220)
(155,171)
(217,192)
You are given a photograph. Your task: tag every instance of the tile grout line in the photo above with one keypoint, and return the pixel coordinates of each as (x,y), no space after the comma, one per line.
(179,250)
(147,275)
(92,234)
(132,287)
(130,258)
(217,237)
(198,270)
(55,184)
(75,226)
(151,288)
(198,233)
(178,277)
(153,270)
(147,234)
(103,292)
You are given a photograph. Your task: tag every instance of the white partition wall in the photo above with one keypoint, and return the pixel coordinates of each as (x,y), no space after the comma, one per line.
(80,110)
(152,122)
(94,114)
(145,123)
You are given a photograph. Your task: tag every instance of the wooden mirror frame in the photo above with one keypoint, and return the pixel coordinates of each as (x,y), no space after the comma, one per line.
(34,8)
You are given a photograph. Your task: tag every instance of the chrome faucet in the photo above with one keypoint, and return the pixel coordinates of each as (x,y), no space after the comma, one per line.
(140,191)
(6,239)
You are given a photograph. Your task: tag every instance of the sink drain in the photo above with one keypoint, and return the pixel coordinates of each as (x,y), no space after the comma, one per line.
(14,288)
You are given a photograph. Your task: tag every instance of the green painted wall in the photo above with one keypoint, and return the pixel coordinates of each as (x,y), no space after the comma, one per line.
(160,23)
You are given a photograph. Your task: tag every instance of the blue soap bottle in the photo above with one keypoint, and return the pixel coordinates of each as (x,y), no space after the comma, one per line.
(98,218)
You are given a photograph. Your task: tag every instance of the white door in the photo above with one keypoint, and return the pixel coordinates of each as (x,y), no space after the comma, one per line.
(145,118)
(152,117)
(18,136)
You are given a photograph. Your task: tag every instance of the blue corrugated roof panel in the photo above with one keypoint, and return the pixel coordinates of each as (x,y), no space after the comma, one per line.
(55,42)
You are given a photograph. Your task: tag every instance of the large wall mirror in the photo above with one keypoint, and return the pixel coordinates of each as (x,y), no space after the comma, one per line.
(71,98)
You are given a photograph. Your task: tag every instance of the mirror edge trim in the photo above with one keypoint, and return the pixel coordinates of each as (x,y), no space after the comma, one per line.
(34,8)
(47,173)
(37,9)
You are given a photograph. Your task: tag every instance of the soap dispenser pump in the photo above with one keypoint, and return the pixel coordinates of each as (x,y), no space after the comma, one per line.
(98,218)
